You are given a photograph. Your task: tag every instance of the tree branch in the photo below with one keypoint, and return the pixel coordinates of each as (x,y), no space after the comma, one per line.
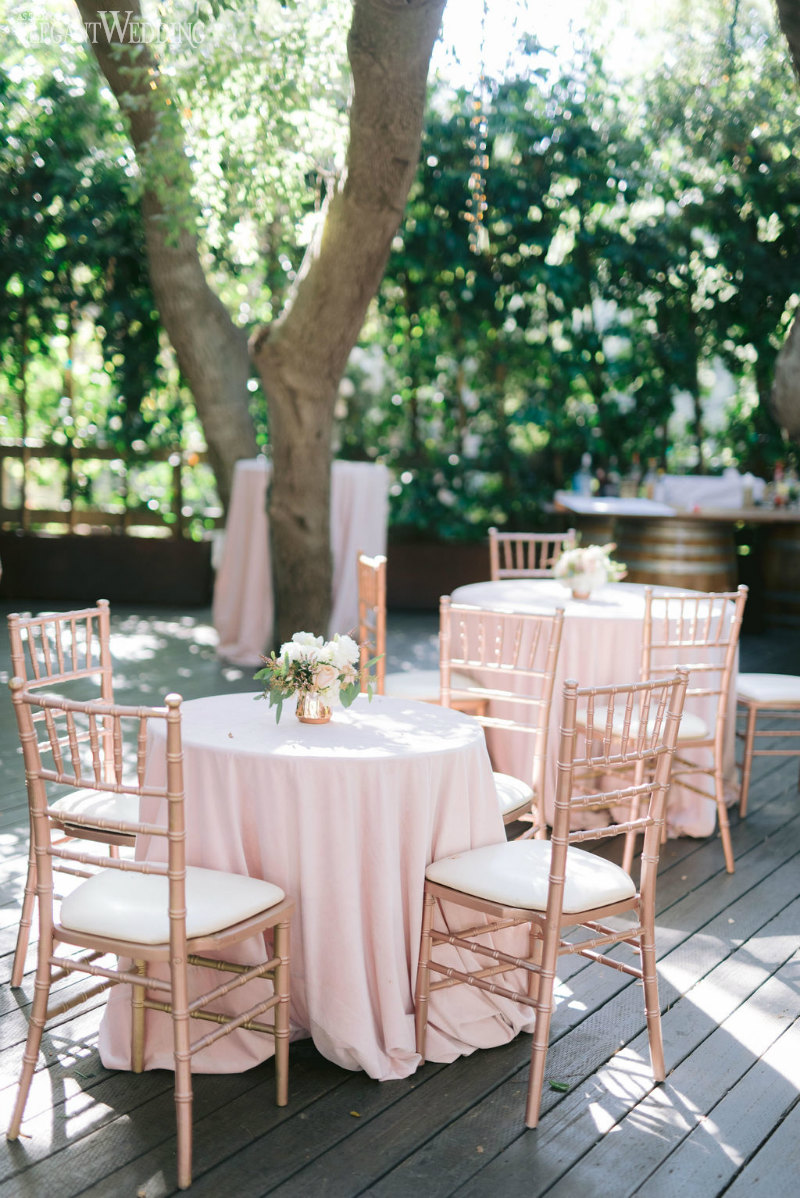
(212,352)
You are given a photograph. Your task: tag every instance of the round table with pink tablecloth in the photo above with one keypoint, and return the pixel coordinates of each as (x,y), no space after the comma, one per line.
(345,817)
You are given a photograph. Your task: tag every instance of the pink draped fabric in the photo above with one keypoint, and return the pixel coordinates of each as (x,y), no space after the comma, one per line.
(243,602)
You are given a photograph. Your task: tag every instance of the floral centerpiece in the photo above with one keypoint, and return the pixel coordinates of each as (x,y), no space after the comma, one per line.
(584,569)
(318,672)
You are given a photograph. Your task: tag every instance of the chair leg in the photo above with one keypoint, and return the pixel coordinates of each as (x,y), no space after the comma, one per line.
(182,1061)
(282,933)
(38,1018)
(423,986)
(26,919)
(541,1031)
(183,1114)
(137,1020)
(747,759)
(722,818)
(183,1109)
(652,1007)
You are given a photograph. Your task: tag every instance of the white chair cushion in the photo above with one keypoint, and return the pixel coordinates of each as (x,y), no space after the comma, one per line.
(692,727)
(516,874)
(131,906)
(512,793)
(100,804)
(421,684)
(769,688)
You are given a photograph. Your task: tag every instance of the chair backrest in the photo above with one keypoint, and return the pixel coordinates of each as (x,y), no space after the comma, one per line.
(619,726)
(698,631)
(71,746)
(372,617)
(510,660)
(526,554)
(63,648)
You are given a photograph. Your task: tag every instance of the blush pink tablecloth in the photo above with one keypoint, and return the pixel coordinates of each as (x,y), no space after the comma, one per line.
(243,605)
(601,644)
(345,817)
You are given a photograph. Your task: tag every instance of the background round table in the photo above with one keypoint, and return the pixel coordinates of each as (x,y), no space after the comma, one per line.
(601,644)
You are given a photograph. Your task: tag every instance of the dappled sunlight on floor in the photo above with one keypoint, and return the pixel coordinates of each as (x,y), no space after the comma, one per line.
(197,629)
(234,674)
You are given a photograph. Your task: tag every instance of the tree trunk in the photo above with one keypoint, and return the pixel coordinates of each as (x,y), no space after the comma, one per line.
(785,400)
(786,387)
(789,17)
(211,351)
(301,357)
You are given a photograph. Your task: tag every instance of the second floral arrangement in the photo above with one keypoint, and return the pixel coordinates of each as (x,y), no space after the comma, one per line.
(584,569)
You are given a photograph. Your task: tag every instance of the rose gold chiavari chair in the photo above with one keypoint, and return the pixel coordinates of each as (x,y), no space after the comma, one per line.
(372,618)
(527,554)
(700,630)
(149,911)
(564,894)
(507,663)
(775,696)
(421,685)
(69,653)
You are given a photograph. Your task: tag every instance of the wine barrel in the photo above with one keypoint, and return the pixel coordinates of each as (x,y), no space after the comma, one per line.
(781,566)
(594,530)
(697,555)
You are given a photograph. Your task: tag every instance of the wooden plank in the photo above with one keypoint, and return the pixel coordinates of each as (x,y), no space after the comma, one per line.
(256,1131)
(548,1153)
(741,1123)
(138,1141)
(341,1128)
(605,1085)
(64,1043)
(774,1170)
(666,1117)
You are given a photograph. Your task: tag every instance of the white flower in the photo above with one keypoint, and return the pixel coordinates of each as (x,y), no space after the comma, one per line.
(344,651)
(303,646)
(307,638)
(592,566)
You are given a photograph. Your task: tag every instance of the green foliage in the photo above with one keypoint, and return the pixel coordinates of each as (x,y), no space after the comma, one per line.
(639,241)
(629,256)
(264,110)
(84,357)
(71,255)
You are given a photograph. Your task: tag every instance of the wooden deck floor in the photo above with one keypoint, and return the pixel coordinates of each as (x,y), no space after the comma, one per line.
(726,1121)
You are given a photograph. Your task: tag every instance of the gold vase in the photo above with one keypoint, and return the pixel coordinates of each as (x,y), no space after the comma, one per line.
(312,710)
